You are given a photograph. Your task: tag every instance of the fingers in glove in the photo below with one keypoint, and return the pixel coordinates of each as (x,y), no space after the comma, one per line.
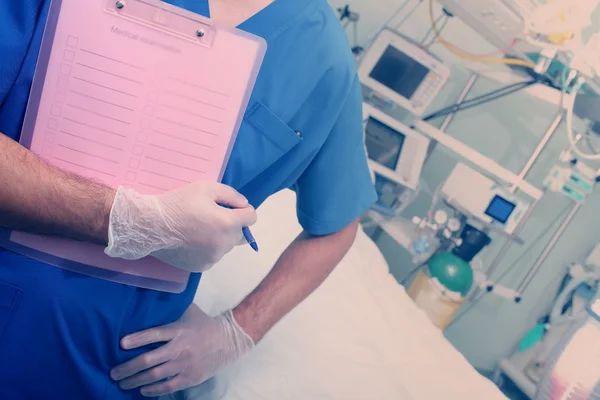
(143,362)
(229,196)
(245,216)
(160,334)
(153,375)
(240,240)
(164,388)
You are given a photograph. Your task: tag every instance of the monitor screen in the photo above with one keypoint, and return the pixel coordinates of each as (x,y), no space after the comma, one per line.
(388,191)
(500,209)
(384,144)
(399,72)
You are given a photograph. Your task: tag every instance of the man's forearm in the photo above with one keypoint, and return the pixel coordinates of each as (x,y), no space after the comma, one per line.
(298,272)
(36,197)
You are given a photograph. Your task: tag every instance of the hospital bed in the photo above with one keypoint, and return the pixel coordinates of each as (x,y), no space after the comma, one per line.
(358,337)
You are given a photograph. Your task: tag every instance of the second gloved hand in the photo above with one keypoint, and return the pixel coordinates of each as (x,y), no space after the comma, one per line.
(196,347)
(186,228)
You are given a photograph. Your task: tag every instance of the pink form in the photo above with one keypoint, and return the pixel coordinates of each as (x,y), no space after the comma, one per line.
(126,104)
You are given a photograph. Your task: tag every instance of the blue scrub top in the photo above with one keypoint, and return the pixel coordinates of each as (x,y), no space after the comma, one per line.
(60,331)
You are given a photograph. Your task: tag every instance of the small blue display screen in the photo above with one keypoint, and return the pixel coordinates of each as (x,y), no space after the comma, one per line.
(500,209)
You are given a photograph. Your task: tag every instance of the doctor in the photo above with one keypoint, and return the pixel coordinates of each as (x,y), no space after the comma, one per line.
(68,336)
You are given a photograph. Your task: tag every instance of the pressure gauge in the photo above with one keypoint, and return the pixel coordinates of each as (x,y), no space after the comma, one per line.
(440,217)
(454,224)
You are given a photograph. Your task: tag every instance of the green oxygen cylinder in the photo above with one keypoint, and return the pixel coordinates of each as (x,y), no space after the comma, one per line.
(440,288)
(454,273)
(440,291)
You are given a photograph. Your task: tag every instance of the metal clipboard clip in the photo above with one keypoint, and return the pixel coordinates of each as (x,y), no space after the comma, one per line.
(166,18)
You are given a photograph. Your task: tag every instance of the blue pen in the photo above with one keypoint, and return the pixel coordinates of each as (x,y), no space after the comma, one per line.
(247,234)
(250,238)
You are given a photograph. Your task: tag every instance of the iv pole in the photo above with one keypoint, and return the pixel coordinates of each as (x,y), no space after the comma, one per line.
(540,260)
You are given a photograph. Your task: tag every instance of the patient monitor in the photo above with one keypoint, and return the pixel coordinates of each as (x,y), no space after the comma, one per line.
(395,151)
(482,198)
(402,72)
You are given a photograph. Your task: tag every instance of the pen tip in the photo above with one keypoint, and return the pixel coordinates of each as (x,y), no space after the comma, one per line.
(254,246)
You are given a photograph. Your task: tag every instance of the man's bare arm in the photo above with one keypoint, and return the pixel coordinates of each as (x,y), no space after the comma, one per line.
(298,272)
(36,197)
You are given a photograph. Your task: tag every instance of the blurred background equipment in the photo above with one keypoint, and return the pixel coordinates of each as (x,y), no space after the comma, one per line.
(401,72)
(394,150)
(348,17)
(516,118)
(531,366)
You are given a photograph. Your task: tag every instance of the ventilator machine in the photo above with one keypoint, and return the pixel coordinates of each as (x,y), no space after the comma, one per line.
(399,71)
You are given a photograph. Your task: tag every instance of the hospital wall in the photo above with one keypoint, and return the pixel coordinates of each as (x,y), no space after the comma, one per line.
(507,130)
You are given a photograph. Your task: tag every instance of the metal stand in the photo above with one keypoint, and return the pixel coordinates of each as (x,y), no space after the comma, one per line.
(377,234)
(350,17)
(495,263)
(523,174)
(461,97)
(538,263)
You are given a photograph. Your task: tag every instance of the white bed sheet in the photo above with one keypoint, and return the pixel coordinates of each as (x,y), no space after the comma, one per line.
(358,337)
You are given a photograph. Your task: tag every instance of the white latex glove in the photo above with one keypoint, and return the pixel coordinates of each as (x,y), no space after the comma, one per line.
(197,347)
(186,227)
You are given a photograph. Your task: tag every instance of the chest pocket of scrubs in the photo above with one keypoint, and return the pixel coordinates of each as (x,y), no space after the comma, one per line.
(262,140)
(10,297)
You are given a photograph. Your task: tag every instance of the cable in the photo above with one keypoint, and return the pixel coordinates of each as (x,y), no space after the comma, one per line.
(495,53)
(588,142)
(482,99)
(506,49)
(434,40)
(509,269)
(456,106)
(476,301)
(439,18)
(410,13)
(372,37)
(468,56)
(466,105)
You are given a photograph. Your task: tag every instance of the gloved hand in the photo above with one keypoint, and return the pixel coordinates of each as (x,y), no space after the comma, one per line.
(186,227)
(197,347)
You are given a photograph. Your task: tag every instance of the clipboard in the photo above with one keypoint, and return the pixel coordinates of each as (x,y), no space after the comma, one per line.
(137,93)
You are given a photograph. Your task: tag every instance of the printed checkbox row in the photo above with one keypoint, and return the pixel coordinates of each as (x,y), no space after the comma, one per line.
(55,110)
(134,163)
(69,55)
(72,41)
(52,124)
(65,69)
